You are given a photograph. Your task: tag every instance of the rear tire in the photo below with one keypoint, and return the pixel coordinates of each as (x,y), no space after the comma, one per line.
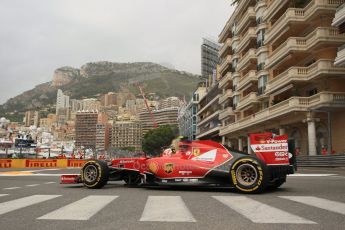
(95,174)
(249,175)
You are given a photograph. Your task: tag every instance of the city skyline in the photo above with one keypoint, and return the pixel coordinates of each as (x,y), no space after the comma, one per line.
(33,48)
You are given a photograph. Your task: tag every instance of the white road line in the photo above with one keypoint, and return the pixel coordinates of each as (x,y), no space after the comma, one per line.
(166,209)
(11,188)
(3,195)
(258,212)
(328,205)
(82,209)
(12,205)
(51,182)
(32,185)
(310,175)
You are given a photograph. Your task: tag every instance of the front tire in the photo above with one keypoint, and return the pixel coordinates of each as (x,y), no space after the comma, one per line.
(249,175)
(95,174)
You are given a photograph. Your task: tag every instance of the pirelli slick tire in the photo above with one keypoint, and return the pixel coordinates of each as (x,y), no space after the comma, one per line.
(249,175)
(95,174)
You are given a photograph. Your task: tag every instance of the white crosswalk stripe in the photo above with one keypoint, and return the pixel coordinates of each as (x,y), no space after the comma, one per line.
(51,182)
(258,212)
(82,209)
(166,209)
(328,205)
(3,195)
(11,188)
(12,205)
(32,185)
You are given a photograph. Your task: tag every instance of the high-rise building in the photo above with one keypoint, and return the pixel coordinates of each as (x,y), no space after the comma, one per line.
(208,124)
(169,102)
(126,134)
(85,129)
(209,57)
(187,113)
(30,118)
(62,100)
(278,74)
(166,116)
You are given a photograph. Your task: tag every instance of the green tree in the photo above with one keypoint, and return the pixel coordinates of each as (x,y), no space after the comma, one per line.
(155,139)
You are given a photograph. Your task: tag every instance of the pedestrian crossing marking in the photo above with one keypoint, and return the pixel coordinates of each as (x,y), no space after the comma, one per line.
(258,212)
(328,205)
(166,209)
(13,205)
(32,185)
(3,195)
(82,209)
(51,182)
(11,188)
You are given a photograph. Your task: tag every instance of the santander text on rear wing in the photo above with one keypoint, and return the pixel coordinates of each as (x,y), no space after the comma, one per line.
(273,150)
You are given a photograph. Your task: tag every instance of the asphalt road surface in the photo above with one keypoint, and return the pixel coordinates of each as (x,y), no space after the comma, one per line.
(34,199)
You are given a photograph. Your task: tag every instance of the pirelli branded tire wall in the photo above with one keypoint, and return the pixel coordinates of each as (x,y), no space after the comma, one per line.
(41,163)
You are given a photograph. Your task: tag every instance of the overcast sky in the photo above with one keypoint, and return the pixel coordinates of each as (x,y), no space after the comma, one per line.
(38,36)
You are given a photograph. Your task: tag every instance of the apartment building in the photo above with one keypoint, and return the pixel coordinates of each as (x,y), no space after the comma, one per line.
(187,117)
(278,74)
(126,134)
(208,123)
(167,116)
(85,129)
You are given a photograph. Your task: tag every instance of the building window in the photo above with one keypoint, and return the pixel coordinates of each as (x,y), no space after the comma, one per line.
(262,84)
(312,92)
(233,29)
(260,38)
(235,101)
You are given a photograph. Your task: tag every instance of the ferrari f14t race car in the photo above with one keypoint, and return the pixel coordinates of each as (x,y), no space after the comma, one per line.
(202,163)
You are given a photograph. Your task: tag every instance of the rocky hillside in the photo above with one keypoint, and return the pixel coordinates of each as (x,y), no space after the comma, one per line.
(93,79)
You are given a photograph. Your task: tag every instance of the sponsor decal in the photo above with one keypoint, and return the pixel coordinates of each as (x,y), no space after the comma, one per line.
(193,180)
(5,163)
(153,167)
(208,156)
(168,168)
(185,172)
(178,180)
(126,161)
(225,155)
(188,153)
(41,163)
(164,181)
(75,163)
(196,152)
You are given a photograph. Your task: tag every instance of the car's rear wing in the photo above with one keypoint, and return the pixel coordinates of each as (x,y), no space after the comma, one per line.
(273,150)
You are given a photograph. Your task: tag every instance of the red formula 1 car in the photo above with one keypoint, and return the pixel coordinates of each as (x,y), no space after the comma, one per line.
(198,163)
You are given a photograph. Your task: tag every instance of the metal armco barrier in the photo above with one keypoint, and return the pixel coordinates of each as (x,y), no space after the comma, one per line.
(335,160)
(41,163)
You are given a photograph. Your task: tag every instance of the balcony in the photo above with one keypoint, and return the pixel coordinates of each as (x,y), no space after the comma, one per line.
(209,118)
(245,20)
(297,15)
(245,60)
(339,16)
(245,40)
(322,35)
(205,132)
(225,47)
(293,104)
(322,67)
(225,113)
(273,8)
(247,100)
(340,59)
(225,96)
(225,63)
(203,109)
(225,80)
(244,81)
